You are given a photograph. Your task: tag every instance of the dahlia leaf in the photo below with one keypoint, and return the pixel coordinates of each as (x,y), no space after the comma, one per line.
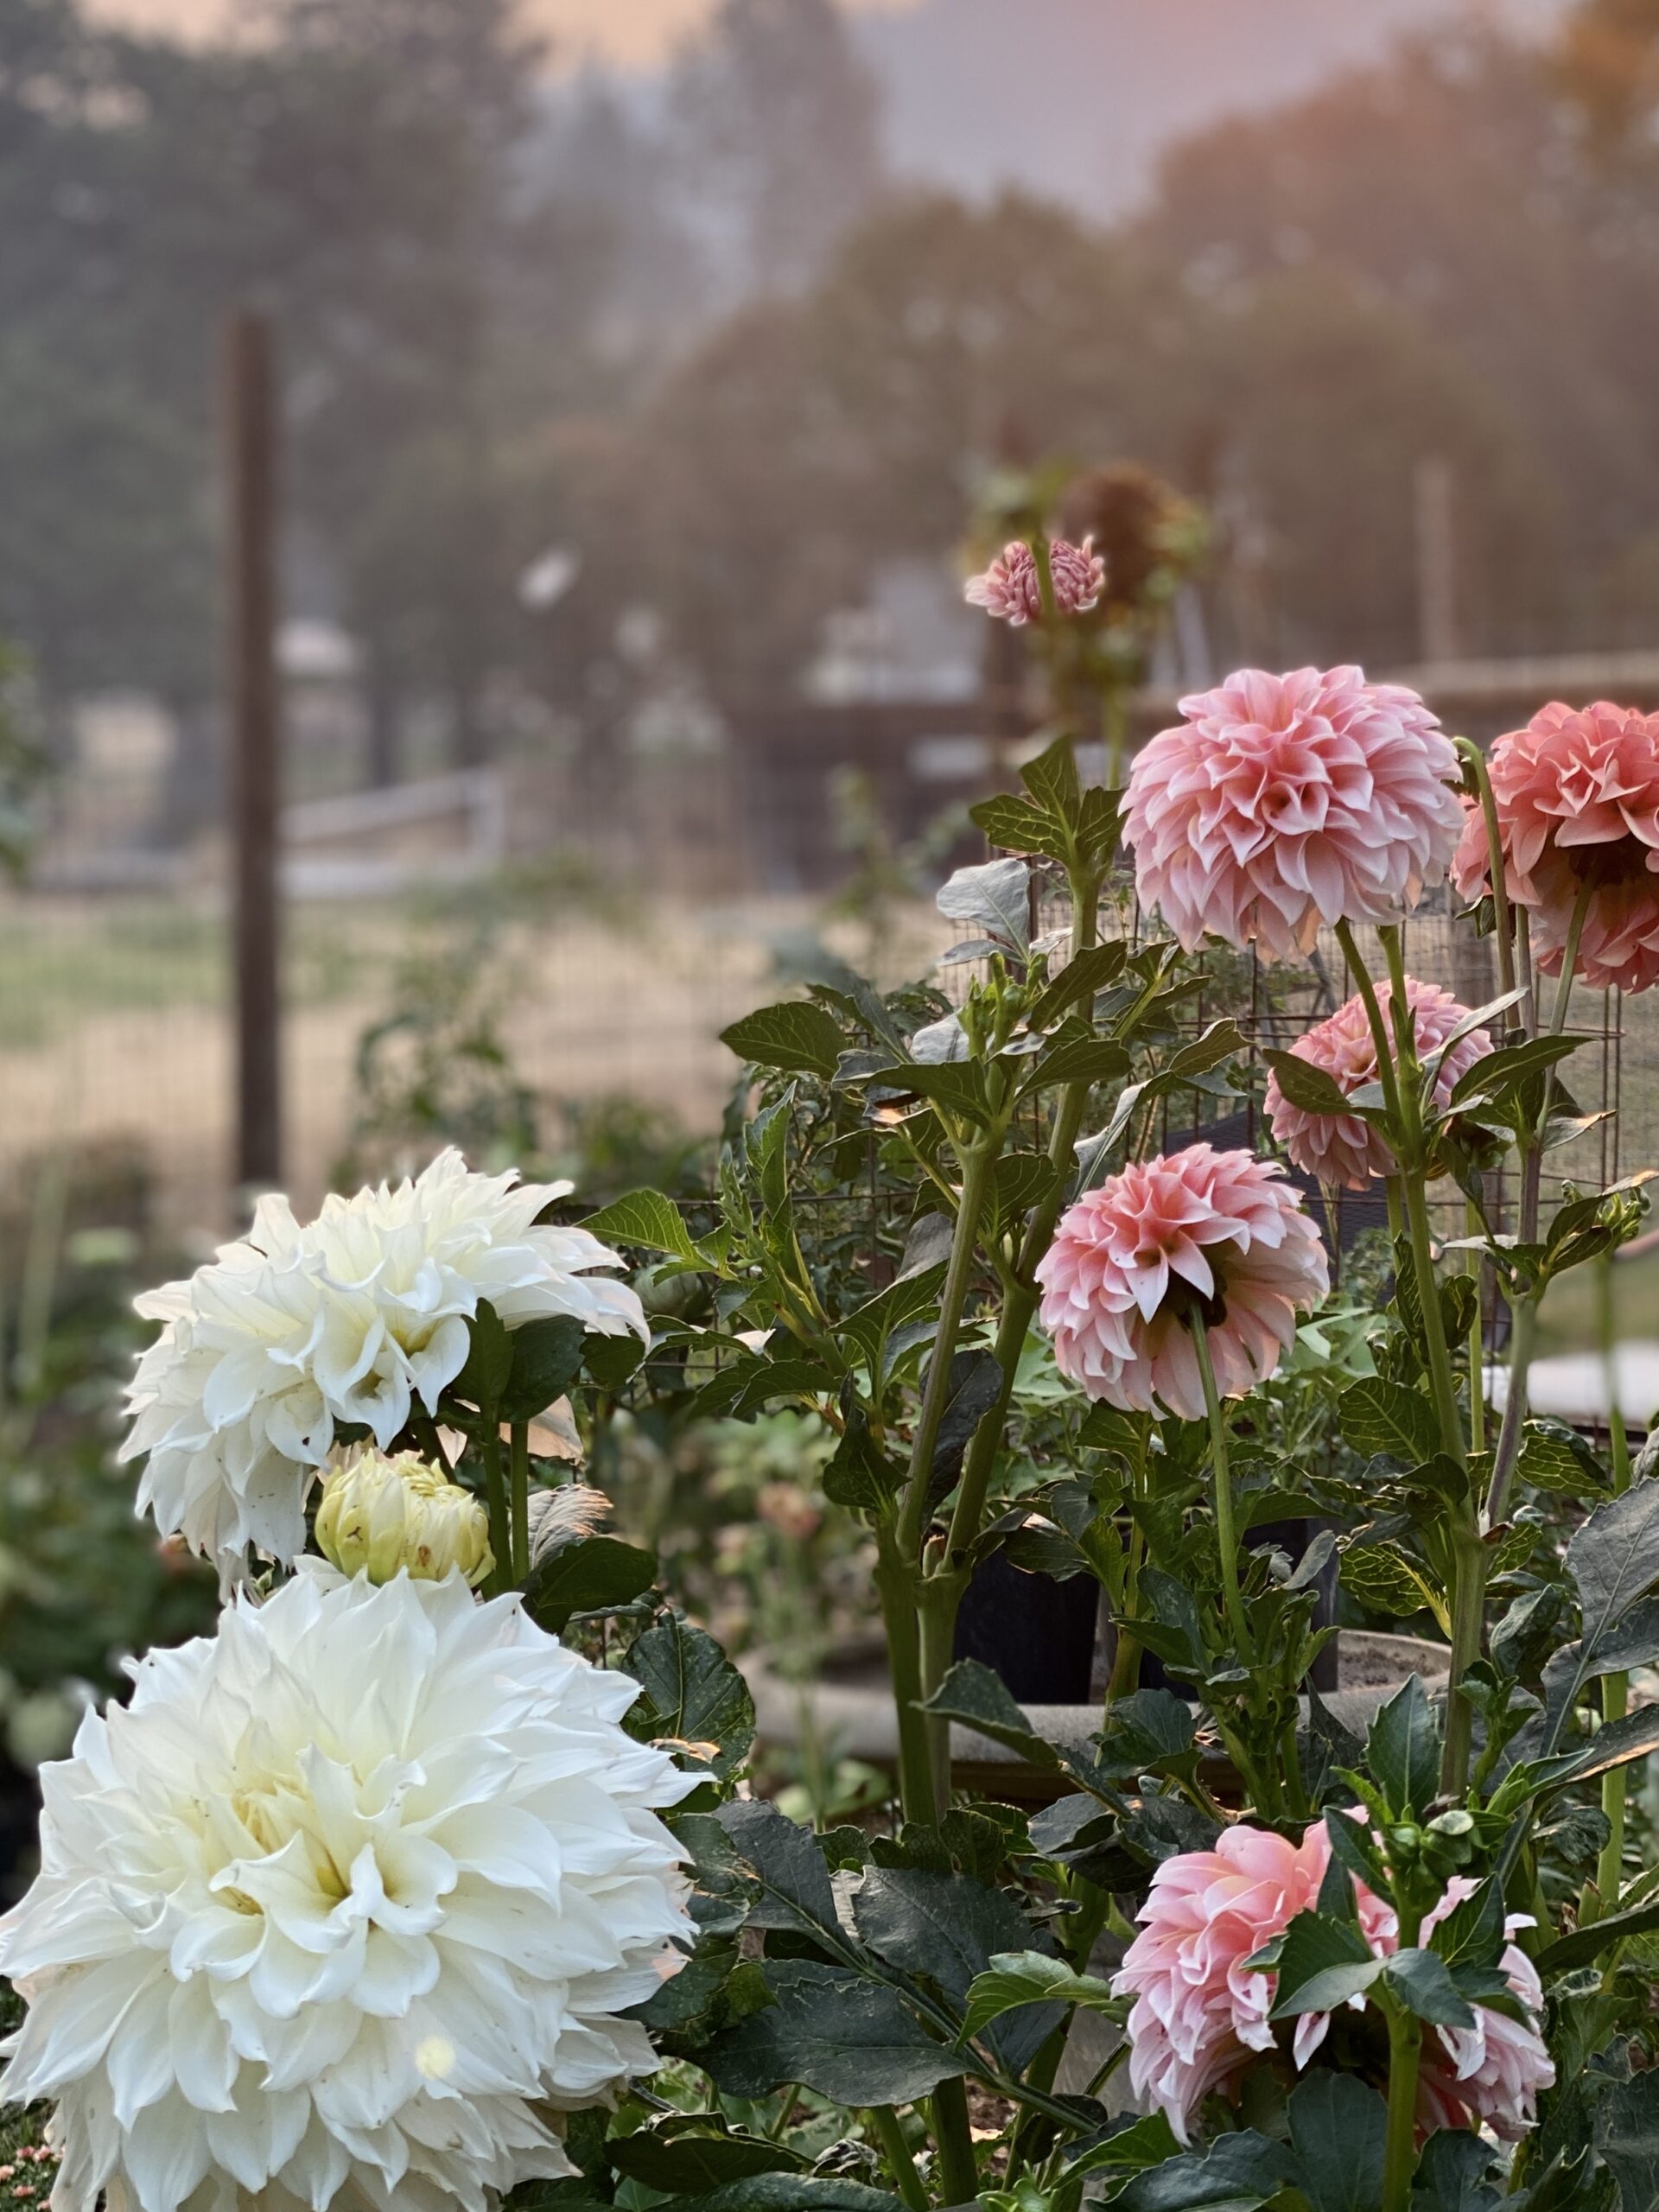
(1015,1979)
(1339,2129)
(682,2164)
(1627,2136)
(950,1927)
(591,1574)
(1018,826)
(693,1696)
(546,1360)
(1402,1749)
(1236,2173)
(786,2192)
(834,2031)
(1378,1416)
(798,1037)
(1422,1982)
(1321,1964)
(648,1221)
(994,894)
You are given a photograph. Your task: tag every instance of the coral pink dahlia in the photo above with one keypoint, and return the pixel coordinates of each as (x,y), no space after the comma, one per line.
(1010,589)
(1285,801)
(1200,2016)
(1341,1149)
(1577,808)
(1217,1232)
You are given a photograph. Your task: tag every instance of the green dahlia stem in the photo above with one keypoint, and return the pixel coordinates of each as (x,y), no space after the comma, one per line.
(1019,1307)
(1615,1689)
(884,2125)
(958,2168)
(1360,976)
(495,1491)
(1226,1533)
(977,1160)
(1523,1334)
(896,1583)
(1400,2153)
(520,1472)
(1504,926)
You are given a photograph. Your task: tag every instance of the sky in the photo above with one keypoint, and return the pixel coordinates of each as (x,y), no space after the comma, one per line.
(630,32)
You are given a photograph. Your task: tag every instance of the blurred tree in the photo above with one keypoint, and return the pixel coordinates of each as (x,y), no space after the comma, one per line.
(1450,183)
(1609,63)
(777,125)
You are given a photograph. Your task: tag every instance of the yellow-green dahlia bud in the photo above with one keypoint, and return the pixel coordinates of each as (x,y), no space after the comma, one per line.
(377,1515)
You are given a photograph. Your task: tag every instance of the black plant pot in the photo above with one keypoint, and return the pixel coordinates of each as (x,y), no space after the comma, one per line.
(1037,1634)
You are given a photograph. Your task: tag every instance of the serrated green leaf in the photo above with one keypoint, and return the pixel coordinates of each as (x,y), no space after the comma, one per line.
(1339,2130)
(1402,1749)
(648,1221)
(1234,2174)
(951,1927)
(1019,827)
(1312,1089)
(489,1361)
(837,2033)
(1015,1978)
(994,896)
(685,2162)
(1387,1418)
(1321,1964)
(690,1693)
(546,1360)
(798,1037)
(588,1574)
(1422,1982)
(1093,969)
(1390,1580)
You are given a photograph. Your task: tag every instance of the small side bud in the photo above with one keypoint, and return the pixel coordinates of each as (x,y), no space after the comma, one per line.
(379,1515)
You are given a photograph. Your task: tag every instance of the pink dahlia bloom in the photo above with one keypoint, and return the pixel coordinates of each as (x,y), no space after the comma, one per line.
(1578,803)
(1218,1231)
(1341,1149)
(1010,590)
(1285,801)
(1199,2015)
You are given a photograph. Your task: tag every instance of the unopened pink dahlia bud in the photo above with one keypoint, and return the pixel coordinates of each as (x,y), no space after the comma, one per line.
(1010,588)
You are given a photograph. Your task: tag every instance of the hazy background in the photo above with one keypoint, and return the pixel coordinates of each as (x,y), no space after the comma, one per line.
(643,373)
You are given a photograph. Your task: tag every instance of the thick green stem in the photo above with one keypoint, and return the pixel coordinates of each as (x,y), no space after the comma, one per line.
(520,1473)
(978,1159)
(958,2168)
(495,1491)
(1400,2152)
(895,1585)
(937,1603)
(1442,1381)
(1615,1689)
(1361,976)
(1019,1307)
(884,2125)
(1476,1340)
(1505,927)
(1523,1334)
(1226,1533)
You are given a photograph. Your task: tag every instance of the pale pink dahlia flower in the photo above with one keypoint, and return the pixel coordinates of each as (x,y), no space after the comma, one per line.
(1199,2015)
(1217,1232)
(1341,1149)
(1010,590)
(1283,802)
(1578,803)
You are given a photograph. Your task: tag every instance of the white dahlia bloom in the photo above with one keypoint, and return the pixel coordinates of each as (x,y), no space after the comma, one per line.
(342,1908)
(357,1317)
